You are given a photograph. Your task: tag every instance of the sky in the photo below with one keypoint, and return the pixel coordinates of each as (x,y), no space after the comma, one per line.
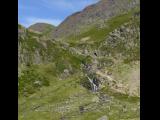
(48,11)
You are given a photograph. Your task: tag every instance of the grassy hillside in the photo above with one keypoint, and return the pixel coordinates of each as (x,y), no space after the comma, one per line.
(43,28)
(52,78)
(67,99)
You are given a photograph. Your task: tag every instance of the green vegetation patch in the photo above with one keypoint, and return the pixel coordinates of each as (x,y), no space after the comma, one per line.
(30,81)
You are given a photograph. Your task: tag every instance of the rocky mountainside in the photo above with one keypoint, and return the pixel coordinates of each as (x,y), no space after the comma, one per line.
(96,14)
(36,48)
(88,69)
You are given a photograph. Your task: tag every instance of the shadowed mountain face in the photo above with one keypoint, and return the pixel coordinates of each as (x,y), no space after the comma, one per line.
(94,14)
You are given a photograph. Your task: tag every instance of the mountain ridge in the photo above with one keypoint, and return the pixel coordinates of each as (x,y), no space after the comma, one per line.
(98,12)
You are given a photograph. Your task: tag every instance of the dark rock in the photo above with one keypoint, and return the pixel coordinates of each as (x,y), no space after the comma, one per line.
(81,109)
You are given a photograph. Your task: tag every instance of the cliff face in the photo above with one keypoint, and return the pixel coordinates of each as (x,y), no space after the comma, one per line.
(93,14)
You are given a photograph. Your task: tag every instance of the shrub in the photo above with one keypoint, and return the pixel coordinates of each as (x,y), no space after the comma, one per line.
(30,81)
(85,83)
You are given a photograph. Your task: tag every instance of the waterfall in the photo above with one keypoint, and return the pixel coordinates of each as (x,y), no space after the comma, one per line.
(93,85)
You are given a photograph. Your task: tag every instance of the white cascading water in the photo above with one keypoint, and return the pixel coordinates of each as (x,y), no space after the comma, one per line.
(93,85)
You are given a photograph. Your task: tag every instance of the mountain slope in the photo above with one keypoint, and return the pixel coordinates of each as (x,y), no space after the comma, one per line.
(54,71)
(93,14)
(42,27)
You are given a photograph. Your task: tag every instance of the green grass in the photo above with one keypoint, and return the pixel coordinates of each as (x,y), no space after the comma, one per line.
(48,30)
(27,79)
(53,101)
(55,96)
